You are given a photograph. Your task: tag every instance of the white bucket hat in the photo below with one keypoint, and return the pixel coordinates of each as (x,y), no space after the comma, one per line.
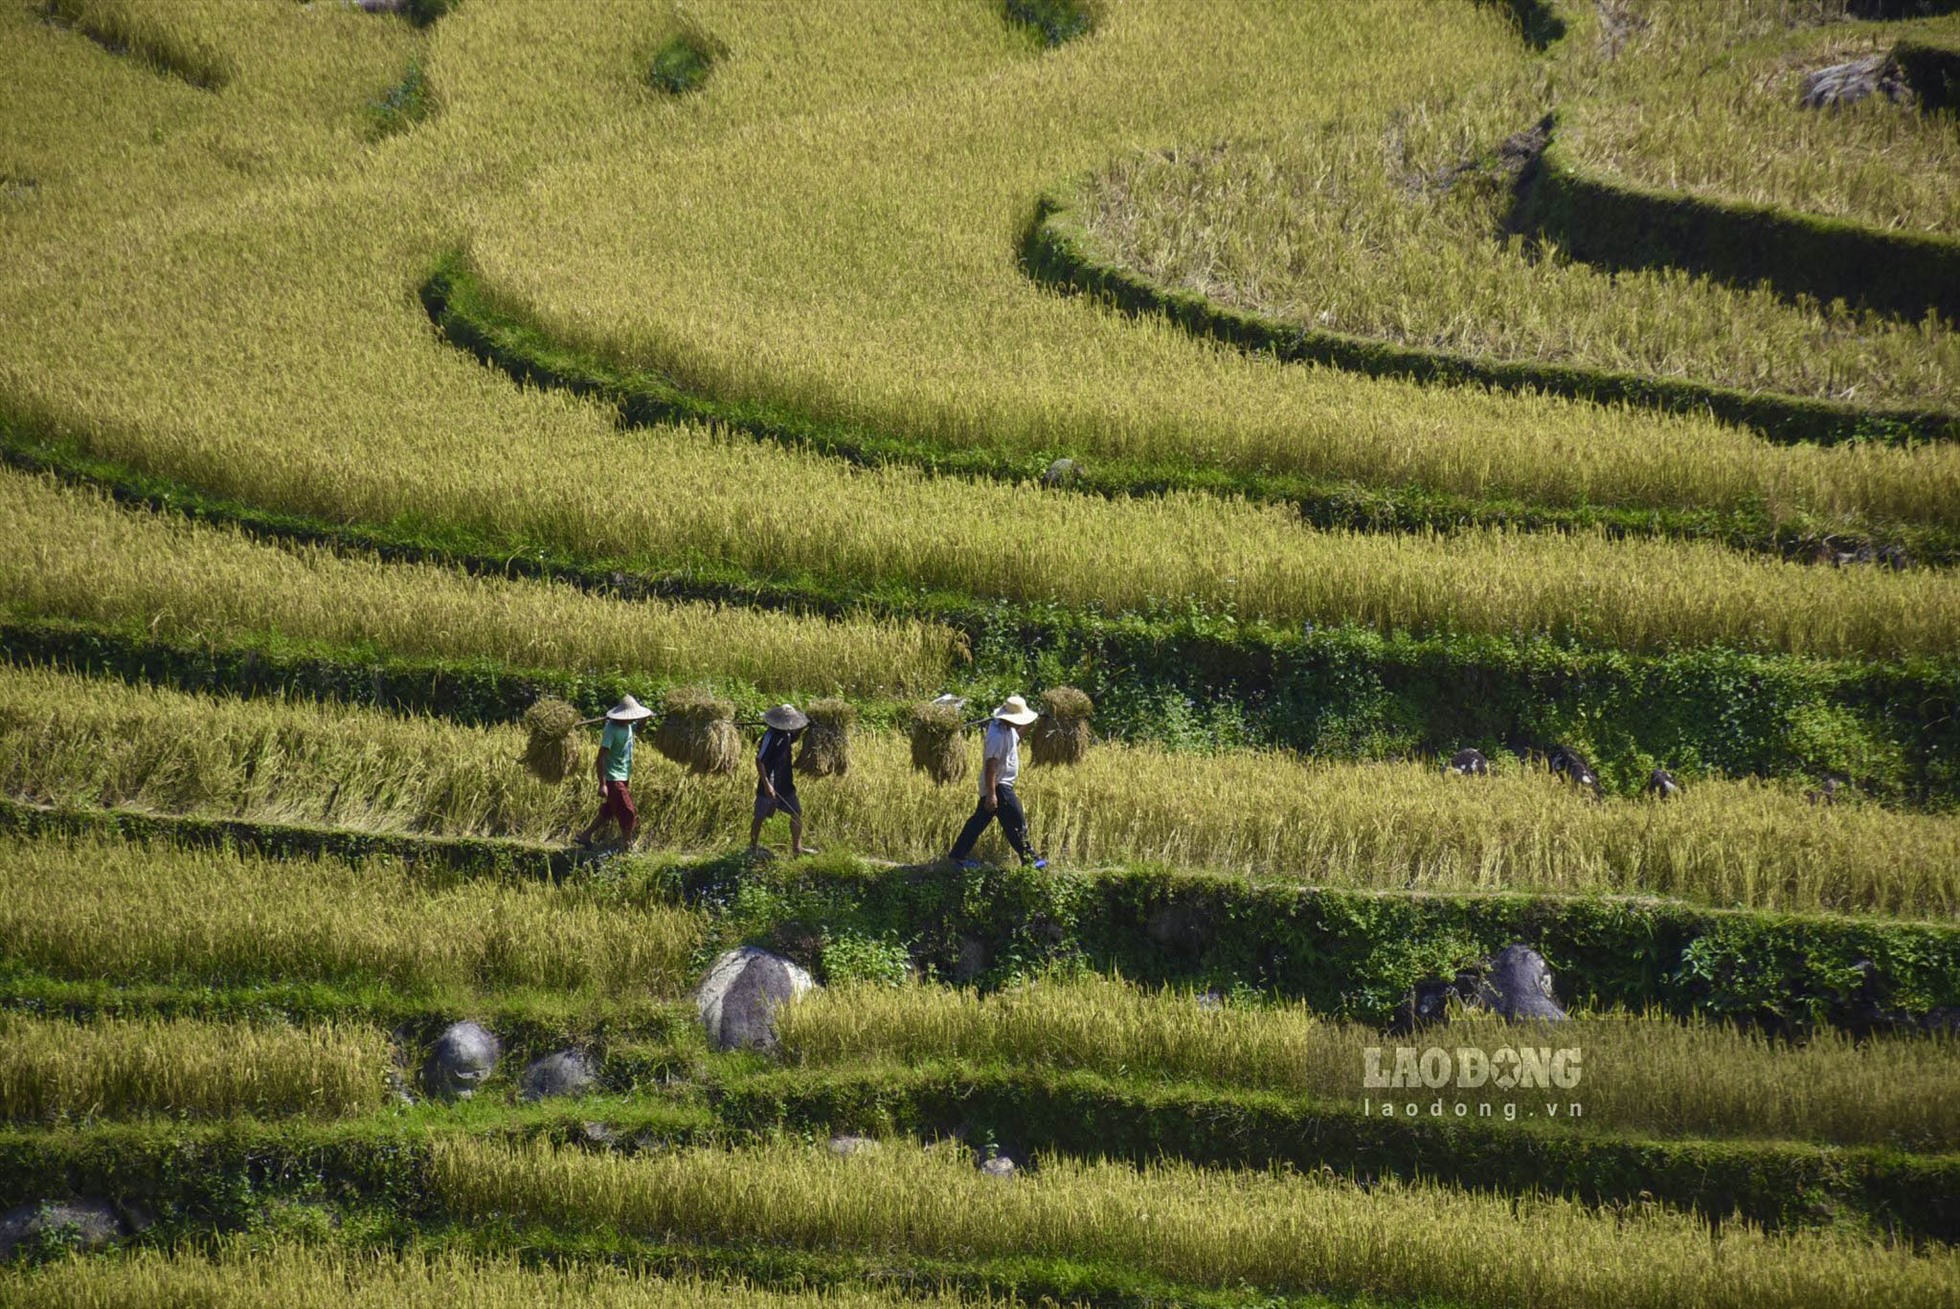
(1015,710)
(628,710)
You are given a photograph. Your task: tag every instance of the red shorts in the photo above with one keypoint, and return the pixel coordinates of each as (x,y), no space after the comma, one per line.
(616,803)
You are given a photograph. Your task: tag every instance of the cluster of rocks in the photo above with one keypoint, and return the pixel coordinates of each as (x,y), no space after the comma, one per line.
(465,1056)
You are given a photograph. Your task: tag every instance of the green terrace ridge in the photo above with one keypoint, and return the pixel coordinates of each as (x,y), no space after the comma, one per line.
(1349,954)
(1299,696)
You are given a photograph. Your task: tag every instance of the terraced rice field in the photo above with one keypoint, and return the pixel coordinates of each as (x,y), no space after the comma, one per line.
(1321,388)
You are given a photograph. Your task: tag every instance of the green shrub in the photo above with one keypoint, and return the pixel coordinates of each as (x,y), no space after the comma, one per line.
(407,103)
(684,60)
(1056,21)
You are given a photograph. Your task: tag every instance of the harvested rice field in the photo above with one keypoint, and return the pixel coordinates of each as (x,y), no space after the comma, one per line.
(1427,530)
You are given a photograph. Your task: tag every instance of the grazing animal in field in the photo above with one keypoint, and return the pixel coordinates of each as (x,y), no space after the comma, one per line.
(1827,794)
(1468,763)
(1573,767)
(1661,785)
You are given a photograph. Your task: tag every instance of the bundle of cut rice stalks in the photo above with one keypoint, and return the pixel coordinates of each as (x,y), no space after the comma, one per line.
(697,731)
(1061,734)
(553,752)
(826,748)
(937,748)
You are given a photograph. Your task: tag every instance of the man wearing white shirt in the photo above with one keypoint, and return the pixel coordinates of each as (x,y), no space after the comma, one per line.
(1000,765)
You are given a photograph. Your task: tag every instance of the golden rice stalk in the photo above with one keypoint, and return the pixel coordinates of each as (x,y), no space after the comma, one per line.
(697,730)
(552,752)
(936,747)
(1061,734)
(826,748)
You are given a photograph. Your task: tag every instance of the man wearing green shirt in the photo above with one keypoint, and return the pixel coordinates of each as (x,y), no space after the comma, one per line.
(613,767)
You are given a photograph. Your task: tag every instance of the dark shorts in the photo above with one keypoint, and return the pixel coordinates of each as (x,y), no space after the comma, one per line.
(784,803)
(616,803)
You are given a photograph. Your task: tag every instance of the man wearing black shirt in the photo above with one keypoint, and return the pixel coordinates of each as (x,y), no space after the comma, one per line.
(775,787)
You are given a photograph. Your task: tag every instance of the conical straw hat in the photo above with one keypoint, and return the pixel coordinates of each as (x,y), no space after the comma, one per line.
(628,710)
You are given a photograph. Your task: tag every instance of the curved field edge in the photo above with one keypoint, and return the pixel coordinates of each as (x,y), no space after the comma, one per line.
(123,33)
(1344,953)
(1058,252)
(1932,69)
(1617,224)
(1329,688)
(457,303)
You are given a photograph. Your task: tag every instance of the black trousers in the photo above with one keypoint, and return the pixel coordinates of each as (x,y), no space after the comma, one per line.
(1013,825)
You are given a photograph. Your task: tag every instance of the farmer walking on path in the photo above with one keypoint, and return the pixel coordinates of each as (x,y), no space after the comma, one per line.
(1000,765)
(775,784)
(613,767)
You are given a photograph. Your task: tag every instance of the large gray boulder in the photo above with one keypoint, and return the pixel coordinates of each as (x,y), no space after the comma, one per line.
(461,1060)
(1518,985)
(75,1224)
(739,997)
(567,1072)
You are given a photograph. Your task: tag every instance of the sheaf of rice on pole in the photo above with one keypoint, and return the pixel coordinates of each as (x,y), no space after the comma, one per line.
(697,731)
(826,750)
(936,728)
(552,752)
(1061,734)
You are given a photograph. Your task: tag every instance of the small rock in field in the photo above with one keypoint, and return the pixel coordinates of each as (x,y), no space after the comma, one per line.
(1848,83)
(1059,473)
(972,960)
(81,1224)
(567,1072)
(844,1146)
(1426,1004)
(739,997)
(1182,924)
(462,1059)
(999,1166)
